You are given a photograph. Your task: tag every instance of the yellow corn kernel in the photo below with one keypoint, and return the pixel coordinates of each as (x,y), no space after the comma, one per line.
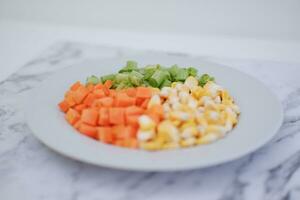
(191,82)
(198,92)
(184,97)
(176,122)
(206,139)
(189,132)
(145,135)
(201,130)
(225,95)
(151,146)
(187,142)
(179,115)
(216,129)
(201,121)
(187,124)
(165,92)
(173,85)
(212,116)
(155,91)
(168,130)
(146,123)
(155,100)
(170,146)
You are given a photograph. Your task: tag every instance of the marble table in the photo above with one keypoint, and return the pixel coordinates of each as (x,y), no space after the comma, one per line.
(30,170)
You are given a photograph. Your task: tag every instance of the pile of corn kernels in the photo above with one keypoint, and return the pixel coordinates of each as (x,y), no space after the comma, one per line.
(194,115)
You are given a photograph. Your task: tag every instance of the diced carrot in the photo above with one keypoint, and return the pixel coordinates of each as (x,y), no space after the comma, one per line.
(112,93)
(80,94)
(139,101)
(106,90)
(90,87)
(105,134)
(72,116)
(88,130)
(103,87)
(89,116)
(134,110)
(119,143)
(89,99)
(124,132)
(70,100)
(143,92)
(116,115)
(131,92)
(132,120)
(103,117)
(117,130)
(98,86)
(77,124)
(106,101)
(123,100)
(64,106)
(145,103)
(99,93)
(96,104)
(134,144)
(75,86)
(80,107)
(130,143)
(108,83)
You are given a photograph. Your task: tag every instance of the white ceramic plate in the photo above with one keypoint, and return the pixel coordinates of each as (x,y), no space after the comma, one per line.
(261,116)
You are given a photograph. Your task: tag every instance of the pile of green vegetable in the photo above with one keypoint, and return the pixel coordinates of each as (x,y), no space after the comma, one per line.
(151,75)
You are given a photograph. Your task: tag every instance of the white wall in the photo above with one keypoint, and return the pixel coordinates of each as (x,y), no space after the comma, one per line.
(271,19)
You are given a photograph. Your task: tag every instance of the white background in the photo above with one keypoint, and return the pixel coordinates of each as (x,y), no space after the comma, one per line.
(260,29)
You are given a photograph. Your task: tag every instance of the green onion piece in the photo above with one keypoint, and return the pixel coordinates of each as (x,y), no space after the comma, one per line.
(173,71)
(130,66)
(192,71)
(107,77)
(166,83)
(93,80)
(122,77)
(204,79)
(149,71)
(158,78)
(136,78)
(181,74)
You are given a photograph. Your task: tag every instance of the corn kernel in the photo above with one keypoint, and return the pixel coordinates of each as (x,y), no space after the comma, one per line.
(146,123)
(206,139)
(188,142)
(167,128)
(145,135)
(155,100)
(171,146)
(191,82)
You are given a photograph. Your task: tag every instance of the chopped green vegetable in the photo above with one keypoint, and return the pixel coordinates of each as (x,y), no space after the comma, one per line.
(136,78)
(204,79)
(181,74)
(107,77)
(192,71)
(158,78)
(130,66)
(93,80)
(151,75)
(166,83)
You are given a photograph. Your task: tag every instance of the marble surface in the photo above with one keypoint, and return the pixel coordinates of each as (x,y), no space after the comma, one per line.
(29,170)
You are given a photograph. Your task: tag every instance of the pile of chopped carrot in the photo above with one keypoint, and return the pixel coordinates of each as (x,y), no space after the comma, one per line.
(108,115)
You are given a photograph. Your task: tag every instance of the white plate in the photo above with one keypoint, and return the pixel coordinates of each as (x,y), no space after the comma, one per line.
(261,116)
